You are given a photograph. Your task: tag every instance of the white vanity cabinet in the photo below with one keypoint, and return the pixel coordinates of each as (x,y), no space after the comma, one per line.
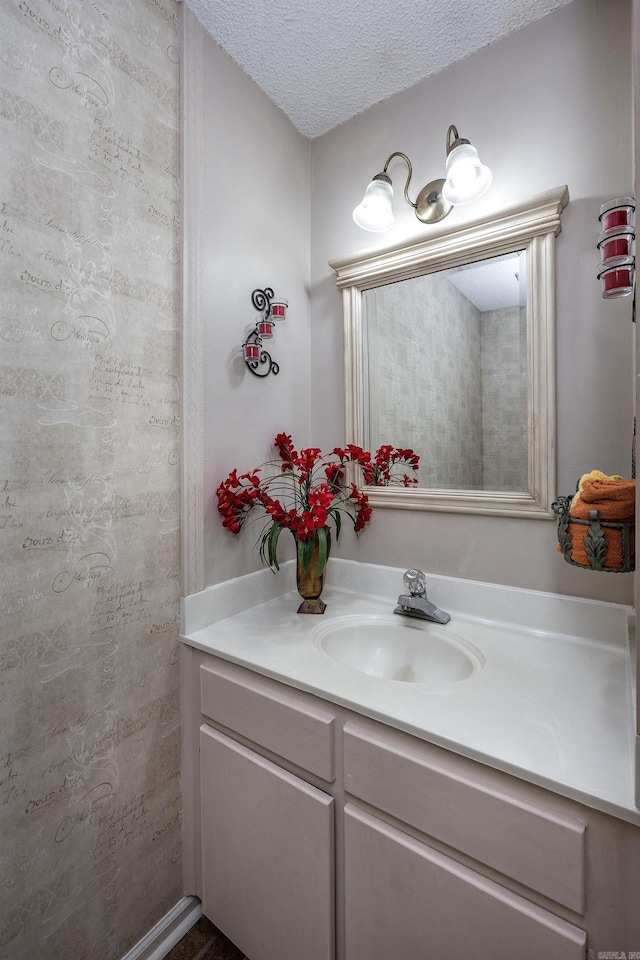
(267,834)
(320,834)
(268,854)
(403,891)
(406,899)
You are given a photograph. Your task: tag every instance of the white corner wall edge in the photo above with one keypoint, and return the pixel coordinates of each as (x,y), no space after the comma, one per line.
(635,54)
(168,931)
(222,600)
(192,487)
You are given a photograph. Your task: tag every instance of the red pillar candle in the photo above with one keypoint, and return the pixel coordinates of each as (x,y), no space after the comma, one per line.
(617,212)
(616,242)
(278,309)
(616,277)
(251,351)
(265,328)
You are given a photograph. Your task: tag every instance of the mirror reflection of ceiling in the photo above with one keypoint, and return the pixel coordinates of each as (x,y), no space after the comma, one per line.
(324,62)
(493,284)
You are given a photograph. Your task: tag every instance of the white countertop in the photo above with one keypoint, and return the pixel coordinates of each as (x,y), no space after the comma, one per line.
(551,705)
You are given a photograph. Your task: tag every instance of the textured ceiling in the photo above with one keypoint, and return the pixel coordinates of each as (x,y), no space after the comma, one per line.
(324,61)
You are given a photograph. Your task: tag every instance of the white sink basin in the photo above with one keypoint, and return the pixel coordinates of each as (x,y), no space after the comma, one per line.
(398,648)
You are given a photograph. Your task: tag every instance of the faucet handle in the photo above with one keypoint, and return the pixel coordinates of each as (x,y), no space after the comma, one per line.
(415,582)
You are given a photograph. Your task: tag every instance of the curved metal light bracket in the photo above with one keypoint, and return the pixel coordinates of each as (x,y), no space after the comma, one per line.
(263,364)
(430,206)
(454,139)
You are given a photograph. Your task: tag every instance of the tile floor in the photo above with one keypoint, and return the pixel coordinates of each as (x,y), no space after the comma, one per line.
(204,942)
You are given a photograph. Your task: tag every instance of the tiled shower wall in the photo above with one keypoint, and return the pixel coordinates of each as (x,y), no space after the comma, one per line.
(89,408)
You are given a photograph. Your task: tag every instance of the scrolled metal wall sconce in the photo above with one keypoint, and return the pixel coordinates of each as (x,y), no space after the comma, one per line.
(258,360)
(616,245)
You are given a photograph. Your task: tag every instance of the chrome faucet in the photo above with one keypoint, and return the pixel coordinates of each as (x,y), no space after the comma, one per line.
(414,603)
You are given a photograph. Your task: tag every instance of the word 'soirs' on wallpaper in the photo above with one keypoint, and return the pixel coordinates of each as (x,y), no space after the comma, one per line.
(89,419)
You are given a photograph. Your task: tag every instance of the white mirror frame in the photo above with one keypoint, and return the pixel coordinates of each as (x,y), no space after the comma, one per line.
(531,226)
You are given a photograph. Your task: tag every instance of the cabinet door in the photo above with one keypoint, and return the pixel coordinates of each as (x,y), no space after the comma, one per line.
(268,864)
(408,901)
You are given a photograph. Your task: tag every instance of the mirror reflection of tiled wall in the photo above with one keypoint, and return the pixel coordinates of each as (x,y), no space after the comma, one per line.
(429,387)
(450,382)
(89,418)
(504,399)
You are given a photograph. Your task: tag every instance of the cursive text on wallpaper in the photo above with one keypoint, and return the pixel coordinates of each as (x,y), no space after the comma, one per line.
(90,804)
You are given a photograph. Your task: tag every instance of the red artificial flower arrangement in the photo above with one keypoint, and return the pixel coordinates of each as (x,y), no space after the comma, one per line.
(304,490)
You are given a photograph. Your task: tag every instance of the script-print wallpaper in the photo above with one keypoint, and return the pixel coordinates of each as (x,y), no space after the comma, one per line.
(89,408)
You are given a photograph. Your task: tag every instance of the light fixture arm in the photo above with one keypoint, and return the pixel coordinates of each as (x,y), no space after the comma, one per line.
(454,139)
(398,153)
(430,207)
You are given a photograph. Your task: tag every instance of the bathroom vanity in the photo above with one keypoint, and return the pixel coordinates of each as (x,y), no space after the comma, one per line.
(336,813)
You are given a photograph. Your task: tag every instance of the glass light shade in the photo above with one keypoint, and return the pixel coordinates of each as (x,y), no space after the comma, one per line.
(467,178)
(375,213)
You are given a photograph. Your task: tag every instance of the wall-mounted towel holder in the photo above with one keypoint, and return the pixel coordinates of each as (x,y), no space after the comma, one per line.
(598,536)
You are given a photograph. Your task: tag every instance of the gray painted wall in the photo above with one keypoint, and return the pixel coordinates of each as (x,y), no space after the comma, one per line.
(254,213)
(548,105)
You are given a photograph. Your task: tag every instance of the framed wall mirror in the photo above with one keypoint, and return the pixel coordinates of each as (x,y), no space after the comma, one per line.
(450,350)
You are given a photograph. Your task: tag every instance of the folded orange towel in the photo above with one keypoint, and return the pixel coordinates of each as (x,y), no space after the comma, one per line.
(597,475)
(594,475)
(608,488)
(613,498)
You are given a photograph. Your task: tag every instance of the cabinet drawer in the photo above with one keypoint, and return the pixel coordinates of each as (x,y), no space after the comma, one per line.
(499,825)
(280,719)
(405,899)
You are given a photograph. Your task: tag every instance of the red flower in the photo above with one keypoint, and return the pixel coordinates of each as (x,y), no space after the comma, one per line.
(334,473)
(363,510)
(304,525)
(274,509)
(285,448)
(320,500)
(293,495)
(307,459)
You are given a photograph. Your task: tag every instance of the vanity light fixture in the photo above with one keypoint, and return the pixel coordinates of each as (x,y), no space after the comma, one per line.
(467,179)
(258,360)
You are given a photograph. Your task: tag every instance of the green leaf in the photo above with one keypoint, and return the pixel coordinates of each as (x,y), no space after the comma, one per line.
(272,545)
(305,550)
(262,540)
(323,550)
(338,522)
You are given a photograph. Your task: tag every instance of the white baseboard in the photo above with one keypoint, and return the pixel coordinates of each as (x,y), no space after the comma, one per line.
(156,944)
